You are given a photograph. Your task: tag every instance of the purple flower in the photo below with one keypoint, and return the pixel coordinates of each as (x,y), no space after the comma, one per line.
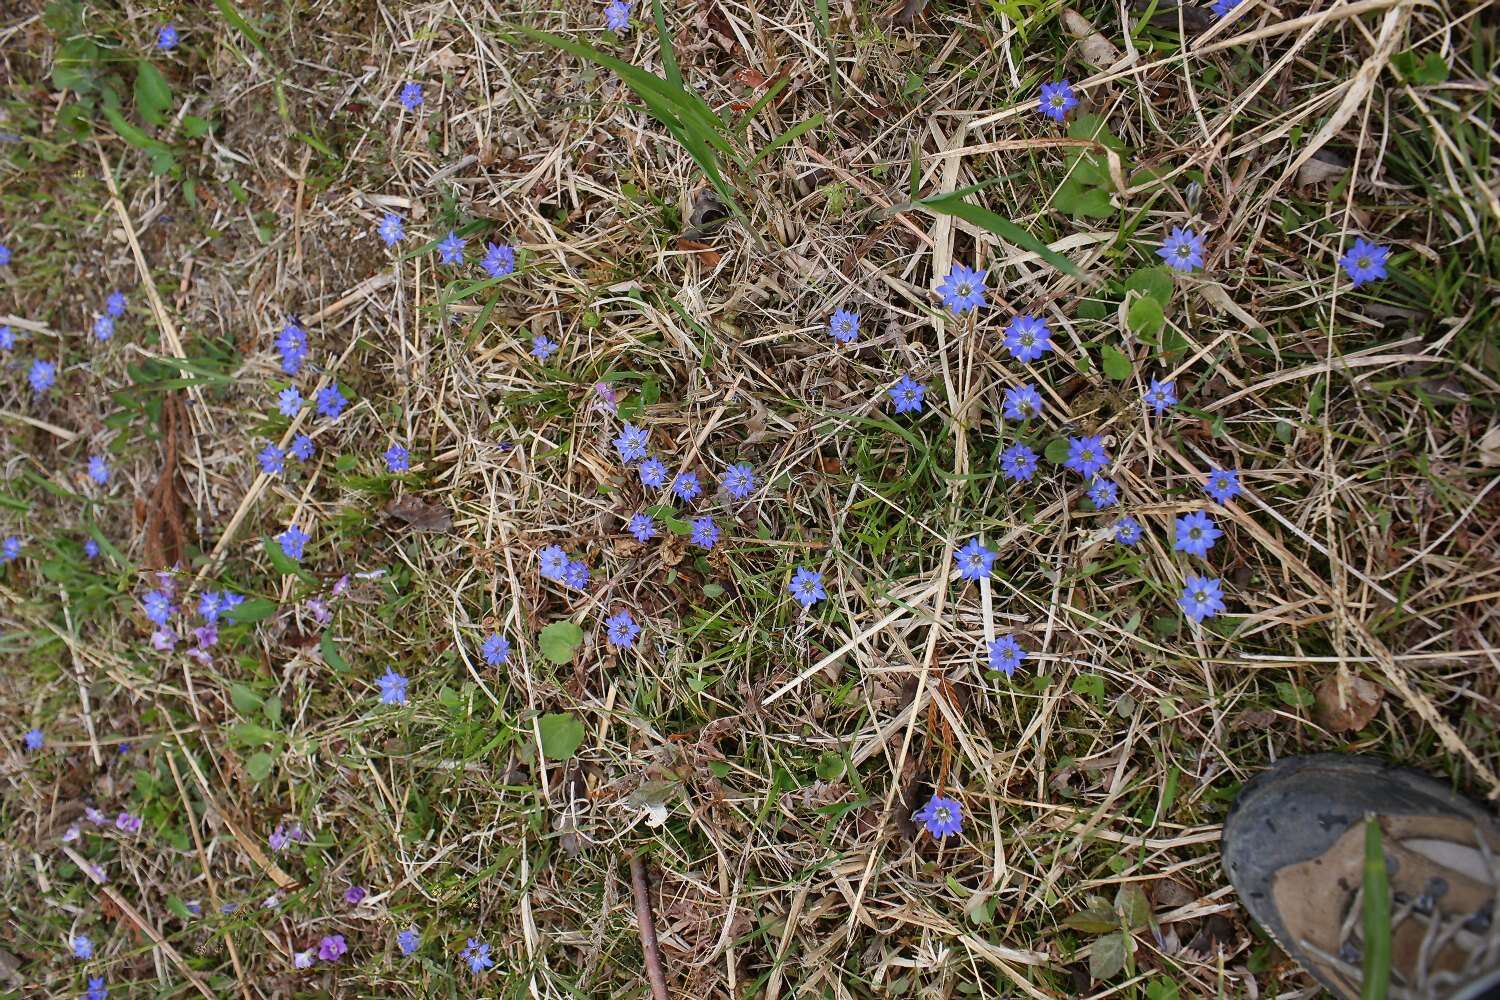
(41,376)
(844,326)
(451,249)
(392,688)
(576,574)
(283,836)
(807,587)
(158,606)
(738,480)
(7,338)
(163,640)
(1161,395)
(552,561)
(1223,485)
(293,541)
(906,395)
(686,487)
(390,229)
(631,442)
(289,401)
(408,941)
(10,549)
(477,954)
(617,15)
(1104,493)
(82,947)
(1196,534)
(963,289)
(1086,455)
(621,629)
(499,260)
(1027,338)
(115,304)
(1202,597)
(1018,463)
(33,739)
(705,532)
(1365,262)
(99,470)
(104,327)
(941,816)
(397,458)
(272,460)
(496,649)
(1022,402)
(653,473)
(128,823)
(1127,530)
(1057,100)
(411,96)
(354,895)
(302,448)
(642,526)
(291,342)
(542,347)
(974,560)
(332,948)
(1182,249)
(331,401)
(1005,655)
(304,959)
(166,38)
(90,548)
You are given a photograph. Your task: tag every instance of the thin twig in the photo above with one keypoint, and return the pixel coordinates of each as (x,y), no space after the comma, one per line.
(647,926)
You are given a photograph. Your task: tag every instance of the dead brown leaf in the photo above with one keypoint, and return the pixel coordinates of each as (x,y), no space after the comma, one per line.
(1092,44)
(1350,709)
(1489,448)
(419,515)
(1322,166)
(705,253)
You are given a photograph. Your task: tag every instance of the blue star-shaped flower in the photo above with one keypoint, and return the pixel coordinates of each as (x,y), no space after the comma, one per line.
(1202,597)
(807,587)
(653,473)
(974,560)
(411,96)
(1222,484)
(1022,403)
(1182,249)
(542,347)
(686,487)
(391,230)
(1005,655)
(963,289)
(1018,463)
(1086,455)
(1057,100)
(1027,338)
(451,249)
(631,442)
(1365,262)
(941,816)
(738,480)
(1104,493)
(392,687)
(844,326)
(1196,534)
(621,629)
(499,260)
(397,458)
(1127,530)
(1161,395)
(906,395)
(642,527)
(705,532)
(496,649)
(293,542)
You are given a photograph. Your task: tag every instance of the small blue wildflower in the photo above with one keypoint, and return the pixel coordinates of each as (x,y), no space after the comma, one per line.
(542,347)
(408,941)
(1104,493)
(166,38)
(157,606)
(115,304)
(705,532)
(98,469)
(1027,338)
(41,376)
(738,480)
(963,289)
(551,561)
(10,549)
(90,549)
(499,260)
(974,561)
(1057,100)
(844,326)
(1018,463)
(1161,395)
(1365,262)
(331,401)
(1086,455)
(1196,534)
(685,486)
(807,587)
(642,527)
(289,401)
(496,649)
(477,955)
(653,473)
(302,448)
(1202,597)
(82,947)
(576,574)
(392,688)
(617,15)
(272,460)
(1183,249)
(97,990)
(1127,530)
(7,338)
(33,739)
(621,629)
(210,604)
(104,327)
(1005,655)
(293,542)
(906,395)
(1223,485)
(4,255)
(390,229)
(941,816)
(631,442)
(1023,402)
(1221,8)
(451,249)
(411,96)
(292,345)
(397,458)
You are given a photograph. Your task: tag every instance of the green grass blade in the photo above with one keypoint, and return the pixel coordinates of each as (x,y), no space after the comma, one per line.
(238,22)
(787,136)
(914,175)
(825,31)
(664,39)
(1377,917)
(1001,227)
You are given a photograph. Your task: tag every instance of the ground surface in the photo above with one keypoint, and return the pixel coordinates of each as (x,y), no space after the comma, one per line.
(767,762)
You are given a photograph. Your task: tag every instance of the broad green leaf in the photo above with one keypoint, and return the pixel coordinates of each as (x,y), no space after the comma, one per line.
(562,734)
(245,701)
(1094,920)
(251,734)
(560,641)
(153,97)
(331,654)
(1132,906)
(259,765)
(1145,316)
(254,610)
(1056,451)
(1155,282)
(1092,126)
(1108,956)
(1079,201)
(1116,365)
(1161,989)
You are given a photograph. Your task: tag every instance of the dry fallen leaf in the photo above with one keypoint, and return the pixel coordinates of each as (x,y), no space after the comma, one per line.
(1489,448)
(1323,166)
(419,515)
(1351,710)
(1092,45)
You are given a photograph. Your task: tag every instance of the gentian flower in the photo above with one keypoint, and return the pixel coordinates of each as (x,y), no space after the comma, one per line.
(1005,655)
(807,587)
(408,941)
(411,96)
(451,249)
(397,458)
(542,347)
(1027,338)
(738,480)
(166,38)
(576,574)
(642,527)
(1022,403)
(289,401)
(621,629)
(705,532)
(1018,463)
(1127,530)
(1202,597)
(631,442)
(552,560)
(1365,262)
(272,460)
(477,955)
(1222,485)
(392,687)
(293,541)
(1086,455)
(496,649)
(41,376)
(941,816)
(99,469)
(1161,395)
(33,739)
(906,395)
(617,15)
(331,401)
(104,327)
(1182,250)
(686,487)
(390,230)
(115,304)
(1057,100)
(974,561)
(332,948)
(844,326)
(963,289)
(499,260)
(653,473)
(1196,534)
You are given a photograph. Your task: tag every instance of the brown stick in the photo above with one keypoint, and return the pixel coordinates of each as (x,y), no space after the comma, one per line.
(647,926)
